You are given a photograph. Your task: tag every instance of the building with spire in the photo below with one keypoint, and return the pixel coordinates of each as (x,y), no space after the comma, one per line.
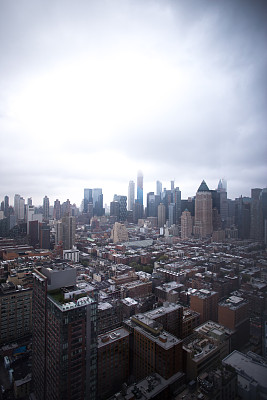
(203,211)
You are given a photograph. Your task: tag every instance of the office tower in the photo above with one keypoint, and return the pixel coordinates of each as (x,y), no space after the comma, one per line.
(21,210)
(178,203)
(68,232)
(115,209)
(158,188)
(256,226)
(6,206)
(16,205)
(223,201)
(58,233)
(29,215)
(153,202)
(46,208)
(140,188)
(98,202)
(33,233)
(64,344)
(186,225)
(205,302)
(66,208)
(172,214)
(88,198)
(122,200)
(44,236)
(243,216)
(29,201)
(15,312)
(119,233)
(203,211)
(113,362)
(131,189)
(137,212)
(263,200)
(234,314)
(57,210)
(172,185)
(161,215)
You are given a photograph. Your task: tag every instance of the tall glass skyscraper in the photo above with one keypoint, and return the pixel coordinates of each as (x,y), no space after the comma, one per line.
(140,188)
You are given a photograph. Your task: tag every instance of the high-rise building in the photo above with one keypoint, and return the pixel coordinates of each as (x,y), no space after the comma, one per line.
(98,202)
(234,314)
(223,200)
(15,312)
(140,188)
(88,198)
(178,203)
(153,202)
(29,215)
(46,208)
(68,232)
(159,188)
(161,215)
(154,350)
(119,233)
(64,337)
(186,225)
(6,206)
(122,200)
(21,210)
(131,189)
(203,211)
(256,226)
(172,214)
(57,210)
(113,362)
(16,205)
(44,236)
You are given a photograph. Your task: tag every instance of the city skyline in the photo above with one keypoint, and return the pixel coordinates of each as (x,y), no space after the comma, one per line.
(107,201)
(94,91)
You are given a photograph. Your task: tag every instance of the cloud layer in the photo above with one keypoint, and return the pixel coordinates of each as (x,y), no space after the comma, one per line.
(92,91)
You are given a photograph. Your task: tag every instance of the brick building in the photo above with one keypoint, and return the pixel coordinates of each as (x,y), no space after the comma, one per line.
(205,302)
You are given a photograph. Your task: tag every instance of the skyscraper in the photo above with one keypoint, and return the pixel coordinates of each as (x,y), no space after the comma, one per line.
(153,201)
(64,337)
(57,210)
(186,225)
(159,188)
(203,211)
(68,232)
(131,189)
(98,202)
(122,200)
(88,198)
(16,205)
(21,210)
(46,208)
(256,226)
(140,187)
(161,215)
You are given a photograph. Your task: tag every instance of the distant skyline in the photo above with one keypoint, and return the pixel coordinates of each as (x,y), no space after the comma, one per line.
(108,196)
(93,91)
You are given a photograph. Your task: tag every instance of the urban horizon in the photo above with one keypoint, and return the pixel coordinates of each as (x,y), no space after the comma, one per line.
(109,198)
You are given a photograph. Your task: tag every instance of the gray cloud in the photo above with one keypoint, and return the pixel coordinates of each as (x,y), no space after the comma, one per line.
(90,92)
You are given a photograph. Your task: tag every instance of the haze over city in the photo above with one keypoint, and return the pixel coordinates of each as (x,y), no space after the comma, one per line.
(93,91)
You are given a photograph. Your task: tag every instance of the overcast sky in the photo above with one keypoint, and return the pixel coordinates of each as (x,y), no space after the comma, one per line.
(93,91)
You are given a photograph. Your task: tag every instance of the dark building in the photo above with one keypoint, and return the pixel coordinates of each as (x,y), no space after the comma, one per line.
(64,337)
(44,236)
(15,312)
(113,362)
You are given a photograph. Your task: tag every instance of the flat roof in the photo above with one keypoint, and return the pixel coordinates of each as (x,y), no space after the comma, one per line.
(247,368)
(112,336)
